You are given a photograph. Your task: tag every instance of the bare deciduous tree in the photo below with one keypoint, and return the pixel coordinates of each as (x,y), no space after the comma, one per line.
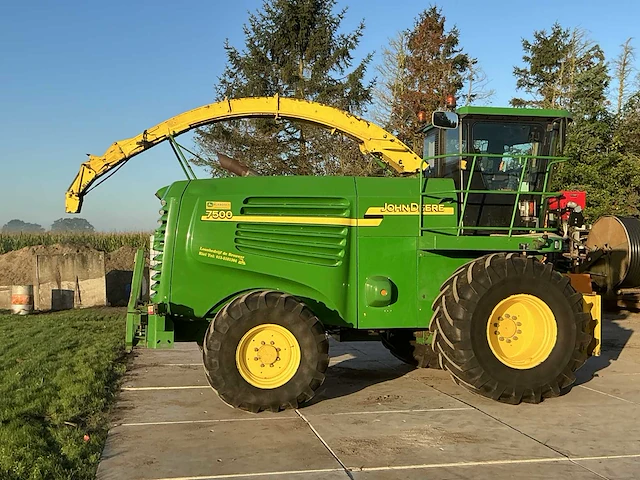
(623,70)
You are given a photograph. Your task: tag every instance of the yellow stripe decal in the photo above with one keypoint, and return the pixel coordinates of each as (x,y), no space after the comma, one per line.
(347,222)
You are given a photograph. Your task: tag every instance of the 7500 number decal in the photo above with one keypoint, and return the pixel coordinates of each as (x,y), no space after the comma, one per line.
(218,215)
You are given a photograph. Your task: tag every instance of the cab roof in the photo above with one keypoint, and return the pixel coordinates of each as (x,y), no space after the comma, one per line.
(507,112)
(514,112)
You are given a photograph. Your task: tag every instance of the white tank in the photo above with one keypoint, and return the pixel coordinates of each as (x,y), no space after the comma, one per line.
(22,299)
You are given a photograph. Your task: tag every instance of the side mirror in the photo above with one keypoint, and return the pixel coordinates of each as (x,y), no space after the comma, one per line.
(444,119)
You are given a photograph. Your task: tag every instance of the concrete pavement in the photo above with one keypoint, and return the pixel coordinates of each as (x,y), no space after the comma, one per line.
(375,418)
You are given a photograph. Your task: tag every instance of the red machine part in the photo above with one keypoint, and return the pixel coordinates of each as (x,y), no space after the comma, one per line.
(579,197)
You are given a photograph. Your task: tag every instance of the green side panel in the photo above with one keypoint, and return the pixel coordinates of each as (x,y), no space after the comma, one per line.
(244,233)
(395,259)
(495,243)
(388,250)
(392,193)
(434,268)
(391,249)
(438,191)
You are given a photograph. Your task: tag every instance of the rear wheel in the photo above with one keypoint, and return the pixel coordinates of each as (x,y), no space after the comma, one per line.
(265,350)
(511,328)
(399,343)
(406,346)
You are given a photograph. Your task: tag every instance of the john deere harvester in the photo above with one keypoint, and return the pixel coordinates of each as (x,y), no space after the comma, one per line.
(465,261)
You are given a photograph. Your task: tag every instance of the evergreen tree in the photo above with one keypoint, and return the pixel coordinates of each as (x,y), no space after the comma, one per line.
(293,48)
(628,129)
(544,75)
(565,69)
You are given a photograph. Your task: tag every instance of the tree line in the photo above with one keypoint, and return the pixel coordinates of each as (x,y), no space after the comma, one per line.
(564,68)
(296,48)
(60,225)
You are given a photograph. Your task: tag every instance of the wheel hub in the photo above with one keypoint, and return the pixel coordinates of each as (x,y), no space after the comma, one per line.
(507,328)
(268,356)
(522,331)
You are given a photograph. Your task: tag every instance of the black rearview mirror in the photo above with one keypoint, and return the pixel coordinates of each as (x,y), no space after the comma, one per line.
(444,119)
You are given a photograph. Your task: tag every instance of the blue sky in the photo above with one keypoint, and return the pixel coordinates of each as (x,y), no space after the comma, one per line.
(75,76)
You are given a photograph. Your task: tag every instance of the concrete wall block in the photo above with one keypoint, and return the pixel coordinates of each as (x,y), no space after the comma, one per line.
(5,297)
(70,280)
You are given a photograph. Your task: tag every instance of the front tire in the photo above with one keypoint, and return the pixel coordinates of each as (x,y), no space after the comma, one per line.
(265,350)
(511,328)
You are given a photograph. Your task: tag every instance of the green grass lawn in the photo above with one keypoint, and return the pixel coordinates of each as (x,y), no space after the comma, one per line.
(58,377)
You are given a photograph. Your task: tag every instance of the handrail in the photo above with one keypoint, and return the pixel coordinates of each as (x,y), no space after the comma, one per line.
(465,192)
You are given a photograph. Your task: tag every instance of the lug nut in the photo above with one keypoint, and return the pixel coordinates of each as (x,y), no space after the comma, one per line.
(514,317)
(277,358)
(508,340)
(262,343)
(506,315)
(262,364)
(271,364)
(277,349)
(272,342)
(256,349)
(515,338)
(497,332)
(519,324)
(501,339)
(256,358)
(495,324)
(519,331)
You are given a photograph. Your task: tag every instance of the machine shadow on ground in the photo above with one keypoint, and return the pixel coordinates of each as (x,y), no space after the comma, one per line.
(353,375)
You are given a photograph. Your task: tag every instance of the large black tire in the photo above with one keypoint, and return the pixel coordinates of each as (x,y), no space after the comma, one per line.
(241,316)
(402,344)
(460,322)
(399,343)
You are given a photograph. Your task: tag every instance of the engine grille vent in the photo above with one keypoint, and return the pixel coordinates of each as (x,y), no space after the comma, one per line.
(308,243)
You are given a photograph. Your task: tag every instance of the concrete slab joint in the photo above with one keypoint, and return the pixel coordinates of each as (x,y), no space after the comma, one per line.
(376,419)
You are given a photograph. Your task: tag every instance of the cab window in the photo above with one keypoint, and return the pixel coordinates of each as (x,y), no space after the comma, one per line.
(511,141)
(431,149)
(451,163)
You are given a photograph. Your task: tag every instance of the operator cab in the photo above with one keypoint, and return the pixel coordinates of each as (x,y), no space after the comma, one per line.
(500,160)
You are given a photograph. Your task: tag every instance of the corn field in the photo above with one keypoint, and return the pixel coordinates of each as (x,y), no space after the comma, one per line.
(106,242)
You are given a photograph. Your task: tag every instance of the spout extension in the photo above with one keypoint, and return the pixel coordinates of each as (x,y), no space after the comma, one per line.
(234,166)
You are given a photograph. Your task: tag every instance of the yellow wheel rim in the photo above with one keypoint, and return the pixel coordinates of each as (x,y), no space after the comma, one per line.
(268,356)
(522,331)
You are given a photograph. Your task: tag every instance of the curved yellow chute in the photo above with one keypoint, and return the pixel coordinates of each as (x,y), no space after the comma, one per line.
(372,138)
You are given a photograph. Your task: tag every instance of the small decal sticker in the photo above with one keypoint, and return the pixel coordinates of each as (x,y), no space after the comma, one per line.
(221,255)
(216,205)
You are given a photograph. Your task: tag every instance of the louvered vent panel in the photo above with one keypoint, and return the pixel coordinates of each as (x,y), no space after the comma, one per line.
(307,243)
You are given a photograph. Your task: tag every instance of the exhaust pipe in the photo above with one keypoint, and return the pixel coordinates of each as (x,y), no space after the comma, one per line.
(236,167)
